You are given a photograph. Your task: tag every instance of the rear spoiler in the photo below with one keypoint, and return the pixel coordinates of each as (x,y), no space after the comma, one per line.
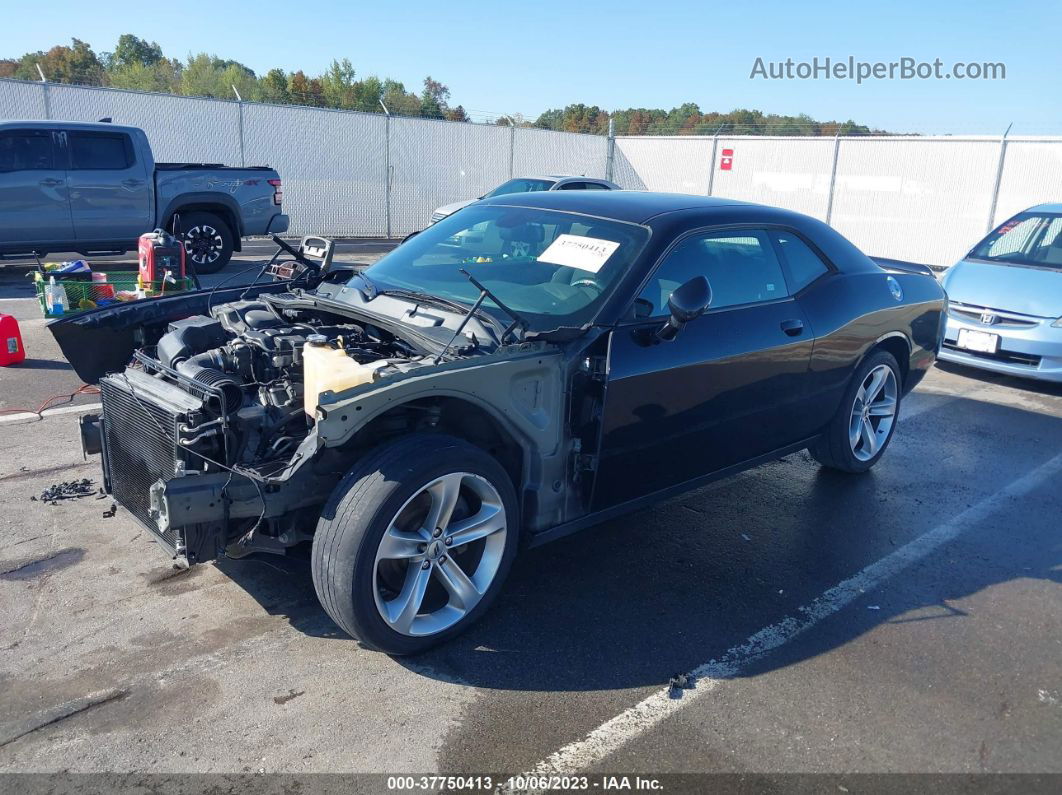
(902,266)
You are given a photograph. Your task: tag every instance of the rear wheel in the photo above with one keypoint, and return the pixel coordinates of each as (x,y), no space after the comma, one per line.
(866,420)
(208,241)
(415,543)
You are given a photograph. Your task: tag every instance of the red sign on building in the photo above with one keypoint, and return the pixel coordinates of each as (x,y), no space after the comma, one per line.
(726,160)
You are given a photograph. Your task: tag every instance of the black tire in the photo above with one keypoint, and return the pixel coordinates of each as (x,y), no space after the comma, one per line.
(834,448)
(363,506)
(208,241)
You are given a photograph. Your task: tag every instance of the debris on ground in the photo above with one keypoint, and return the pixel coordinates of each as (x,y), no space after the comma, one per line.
(678,683)
(111,511)
(67,490)
(291,694)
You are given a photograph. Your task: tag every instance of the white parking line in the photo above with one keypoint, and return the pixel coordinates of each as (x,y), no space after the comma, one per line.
(79,409)
(636,721)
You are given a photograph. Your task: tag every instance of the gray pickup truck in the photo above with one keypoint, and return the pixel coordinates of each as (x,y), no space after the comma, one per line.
(95,188)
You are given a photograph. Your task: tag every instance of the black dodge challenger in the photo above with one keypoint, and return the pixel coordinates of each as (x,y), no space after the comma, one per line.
(524,368)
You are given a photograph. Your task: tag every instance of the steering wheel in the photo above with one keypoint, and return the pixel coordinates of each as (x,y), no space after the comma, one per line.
(588,282)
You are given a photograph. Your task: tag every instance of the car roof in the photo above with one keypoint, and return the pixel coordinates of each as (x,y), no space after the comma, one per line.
(622,205)
(37,124)
(559,177)
(1048,207)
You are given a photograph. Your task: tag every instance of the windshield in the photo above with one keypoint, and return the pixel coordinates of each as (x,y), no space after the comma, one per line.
(521,186)
(553,268)
(1026,239)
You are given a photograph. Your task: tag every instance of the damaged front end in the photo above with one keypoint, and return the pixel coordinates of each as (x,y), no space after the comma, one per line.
(208,438)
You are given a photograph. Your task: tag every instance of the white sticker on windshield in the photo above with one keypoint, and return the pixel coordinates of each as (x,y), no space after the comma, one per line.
(576,251)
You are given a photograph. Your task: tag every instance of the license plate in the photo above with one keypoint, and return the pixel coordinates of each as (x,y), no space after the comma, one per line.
(980,341)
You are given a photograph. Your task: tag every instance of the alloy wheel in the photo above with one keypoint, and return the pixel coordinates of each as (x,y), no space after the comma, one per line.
(873,412)
(203,243)
(439,554)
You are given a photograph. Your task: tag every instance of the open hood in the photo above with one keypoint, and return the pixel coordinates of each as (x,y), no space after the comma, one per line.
(103,340)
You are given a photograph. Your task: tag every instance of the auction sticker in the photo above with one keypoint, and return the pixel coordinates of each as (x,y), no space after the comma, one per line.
(576,251)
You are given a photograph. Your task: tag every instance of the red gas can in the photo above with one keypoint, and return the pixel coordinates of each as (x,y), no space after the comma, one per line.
(160,252)
(11,348)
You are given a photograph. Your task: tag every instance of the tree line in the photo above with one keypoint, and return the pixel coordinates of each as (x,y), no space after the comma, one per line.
(141,65)
(689,119)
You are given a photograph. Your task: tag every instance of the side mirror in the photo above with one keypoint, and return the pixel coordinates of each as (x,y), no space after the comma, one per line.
(686,303)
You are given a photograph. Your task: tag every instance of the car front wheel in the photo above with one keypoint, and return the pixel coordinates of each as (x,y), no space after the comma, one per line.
(865,422)
(415,543)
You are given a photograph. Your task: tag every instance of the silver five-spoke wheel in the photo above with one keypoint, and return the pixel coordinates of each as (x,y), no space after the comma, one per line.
(873,412)
(439,554)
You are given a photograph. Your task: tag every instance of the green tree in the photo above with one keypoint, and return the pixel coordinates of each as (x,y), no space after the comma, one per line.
(134,50)
(337,85)
(163,77)
(273,87)
(399,101)
(433,99)
(367,94)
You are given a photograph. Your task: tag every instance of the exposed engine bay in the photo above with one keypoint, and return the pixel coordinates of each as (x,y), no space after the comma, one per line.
(236,421)
(201,436)
(250,361)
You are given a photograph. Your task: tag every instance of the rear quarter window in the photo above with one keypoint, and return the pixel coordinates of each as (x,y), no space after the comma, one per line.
(100,151)
(805,266)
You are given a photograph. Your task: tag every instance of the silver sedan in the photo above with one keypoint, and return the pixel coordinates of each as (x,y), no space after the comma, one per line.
(1005,299)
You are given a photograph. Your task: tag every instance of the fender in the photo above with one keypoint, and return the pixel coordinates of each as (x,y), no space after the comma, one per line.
(205,198)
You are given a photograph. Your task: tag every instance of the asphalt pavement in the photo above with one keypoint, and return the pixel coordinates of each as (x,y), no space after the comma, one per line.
(905,621)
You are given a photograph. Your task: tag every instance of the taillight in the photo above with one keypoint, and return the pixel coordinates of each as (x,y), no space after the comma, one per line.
(278,191)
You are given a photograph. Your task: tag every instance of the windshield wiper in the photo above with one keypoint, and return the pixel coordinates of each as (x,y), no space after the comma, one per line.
(484,294)
(518,321)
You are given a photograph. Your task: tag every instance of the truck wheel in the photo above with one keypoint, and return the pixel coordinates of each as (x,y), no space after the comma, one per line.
(858,434)
(415,543)
(208,241)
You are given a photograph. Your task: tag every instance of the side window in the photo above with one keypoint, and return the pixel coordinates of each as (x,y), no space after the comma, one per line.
(573,186)
(805,266)
(741,267)
(594,186)
(99,151)
(26,150)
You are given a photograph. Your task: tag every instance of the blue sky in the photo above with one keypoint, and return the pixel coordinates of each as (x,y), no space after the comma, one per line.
(499,57)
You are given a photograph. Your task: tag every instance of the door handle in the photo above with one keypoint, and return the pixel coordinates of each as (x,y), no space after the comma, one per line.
(794,328)
(132,183)
(51,182)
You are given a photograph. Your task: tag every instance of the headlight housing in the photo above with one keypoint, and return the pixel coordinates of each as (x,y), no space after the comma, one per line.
(1057,323)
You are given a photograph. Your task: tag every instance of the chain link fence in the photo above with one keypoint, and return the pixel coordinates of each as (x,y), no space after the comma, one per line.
(926,199)
(345,173)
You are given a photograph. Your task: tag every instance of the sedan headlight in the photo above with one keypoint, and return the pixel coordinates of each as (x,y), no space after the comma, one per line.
(1057,323)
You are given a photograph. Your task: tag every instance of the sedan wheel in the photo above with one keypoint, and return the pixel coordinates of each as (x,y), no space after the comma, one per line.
(416,542)
(866,420)
(873,413)
(440,554)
